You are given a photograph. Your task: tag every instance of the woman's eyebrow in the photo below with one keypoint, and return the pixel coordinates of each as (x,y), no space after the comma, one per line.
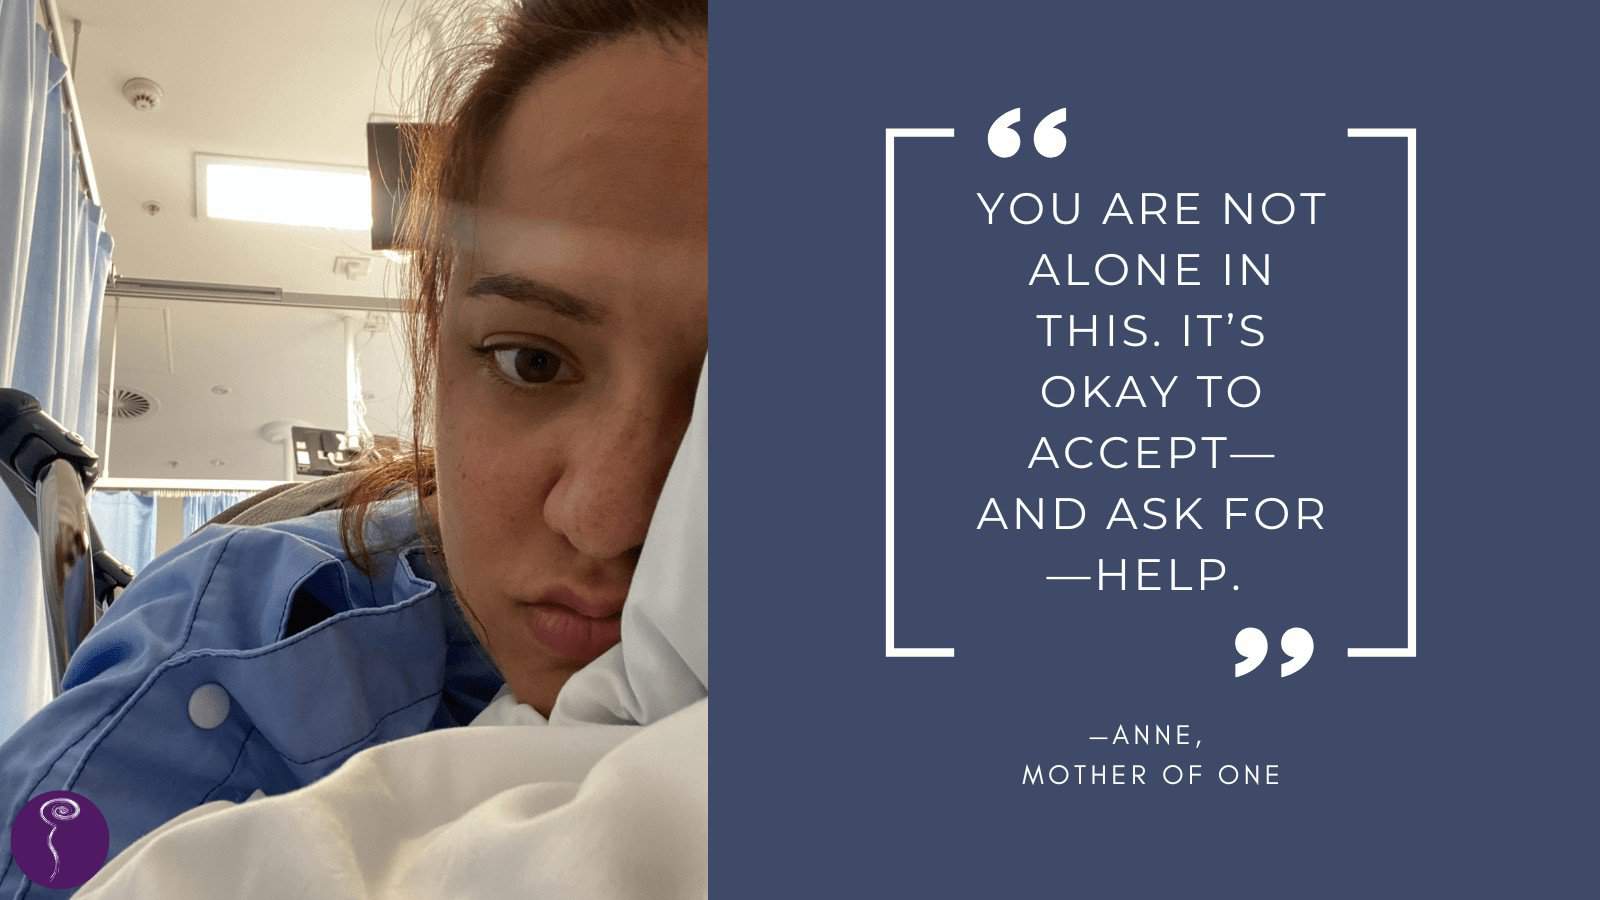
(527,290)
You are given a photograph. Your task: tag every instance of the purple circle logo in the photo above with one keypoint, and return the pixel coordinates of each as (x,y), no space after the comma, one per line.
(60,839)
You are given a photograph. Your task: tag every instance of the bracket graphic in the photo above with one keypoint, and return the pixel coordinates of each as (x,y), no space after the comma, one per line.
(889,648)
(1410,135)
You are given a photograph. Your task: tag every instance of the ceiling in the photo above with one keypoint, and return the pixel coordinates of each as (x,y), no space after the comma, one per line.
(218,372)
(290,80)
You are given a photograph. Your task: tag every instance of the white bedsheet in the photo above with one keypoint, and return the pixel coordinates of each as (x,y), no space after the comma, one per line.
(576,811)
(606,800)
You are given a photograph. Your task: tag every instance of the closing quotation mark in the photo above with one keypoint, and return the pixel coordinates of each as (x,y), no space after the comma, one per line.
(1048,138)
(1251,643)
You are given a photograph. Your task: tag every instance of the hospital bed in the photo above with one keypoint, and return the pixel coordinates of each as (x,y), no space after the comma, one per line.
(49,470)
(615,777)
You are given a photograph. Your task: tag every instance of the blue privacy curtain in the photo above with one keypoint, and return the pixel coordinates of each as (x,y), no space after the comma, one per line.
(126,521)
(54,257)
(200,508)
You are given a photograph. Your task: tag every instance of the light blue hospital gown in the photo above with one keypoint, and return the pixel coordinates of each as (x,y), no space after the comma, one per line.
(247,659)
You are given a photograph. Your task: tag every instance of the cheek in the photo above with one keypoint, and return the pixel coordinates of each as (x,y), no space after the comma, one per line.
(463,442)
(494,469)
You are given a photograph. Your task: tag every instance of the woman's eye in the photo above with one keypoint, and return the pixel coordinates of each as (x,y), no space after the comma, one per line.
(529,365)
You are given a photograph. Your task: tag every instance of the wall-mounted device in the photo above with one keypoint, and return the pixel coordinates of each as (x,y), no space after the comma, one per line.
(321,451)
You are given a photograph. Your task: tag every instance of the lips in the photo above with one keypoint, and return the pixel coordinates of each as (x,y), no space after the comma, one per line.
(571,626)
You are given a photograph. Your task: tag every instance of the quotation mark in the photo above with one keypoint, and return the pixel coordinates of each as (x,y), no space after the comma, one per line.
(1251,643)
(1048,138)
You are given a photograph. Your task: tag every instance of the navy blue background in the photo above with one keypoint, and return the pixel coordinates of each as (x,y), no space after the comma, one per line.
(1467,771)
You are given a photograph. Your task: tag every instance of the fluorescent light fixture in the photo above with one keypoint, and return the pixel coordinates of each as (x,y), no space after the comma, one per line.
(283,193)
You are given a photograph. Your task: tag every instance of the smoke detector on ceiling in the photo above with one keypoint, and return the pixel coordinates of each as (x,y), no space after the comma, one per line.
(129,403)
(143,93)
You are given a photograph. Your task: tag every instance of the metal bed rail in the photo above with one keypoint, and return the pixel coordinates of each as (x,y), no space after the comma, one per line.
(48,469)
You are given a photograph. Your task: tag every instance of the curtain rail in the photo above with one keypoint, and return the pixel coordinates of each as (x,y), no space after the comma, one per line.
(80,137)
(202,292)
(185,485)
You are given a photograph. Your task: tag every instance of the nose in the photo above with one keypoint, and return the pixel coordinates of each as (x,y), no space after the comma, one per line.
(612,475)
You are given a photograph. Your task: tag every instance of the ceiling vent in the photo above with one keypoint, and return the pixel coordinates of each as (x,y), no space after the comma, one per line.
(129,403)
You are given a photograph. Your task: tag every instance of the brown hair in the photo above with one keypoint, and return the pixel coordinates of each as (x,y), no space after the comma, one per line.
(466,99)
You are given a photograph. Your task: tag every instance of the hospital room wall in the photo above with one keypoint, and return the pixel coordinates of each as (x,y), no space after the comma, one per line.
(169,523)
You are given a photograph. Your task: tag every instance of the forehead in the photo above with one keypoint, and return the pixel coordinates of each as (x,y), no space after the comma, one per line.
(608,145)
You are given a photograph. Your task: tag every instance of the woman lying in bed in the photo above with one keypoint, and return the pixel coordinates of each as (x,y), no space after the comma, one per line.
(560,326)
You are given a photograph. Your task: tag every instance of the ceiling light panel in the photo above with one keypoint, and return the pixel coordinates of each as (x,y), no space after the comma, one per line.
(283,193)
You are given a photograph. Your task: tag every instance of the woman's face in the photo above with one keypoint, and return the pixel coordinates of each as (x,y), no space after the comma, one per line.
(569,351)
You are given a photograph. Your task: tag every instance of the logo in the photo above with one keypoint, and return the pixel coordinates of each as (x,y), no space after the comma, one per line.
(60,839)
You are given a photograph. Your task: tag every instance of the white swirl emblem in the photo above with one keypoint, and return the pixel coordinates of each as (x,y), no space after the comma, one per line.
(55,812)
